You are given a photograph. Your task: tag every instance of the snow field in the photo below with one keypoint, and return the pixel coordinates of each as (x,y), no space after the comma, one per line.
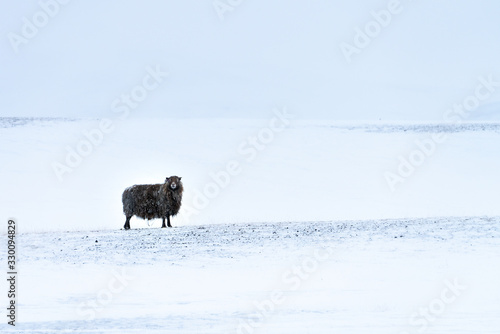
(309,171)
(296,240)
(389,276)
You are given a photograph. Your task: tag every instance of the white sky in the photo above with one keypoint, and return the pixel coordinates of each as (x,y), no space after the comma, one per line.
(264,54)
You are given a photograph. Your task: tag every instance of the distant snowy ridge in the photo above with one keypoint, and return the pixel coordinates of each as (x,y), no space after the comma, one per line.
(10,122)
(421,127)
(480,124)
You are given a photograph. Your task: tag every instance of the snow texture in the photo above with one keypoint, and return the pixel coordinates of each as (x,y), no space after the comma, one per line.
(345,277)
(306,236)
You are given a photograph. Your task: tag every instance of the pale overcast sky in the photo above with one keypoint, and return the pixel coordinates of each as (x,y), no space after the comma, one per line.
(242,60)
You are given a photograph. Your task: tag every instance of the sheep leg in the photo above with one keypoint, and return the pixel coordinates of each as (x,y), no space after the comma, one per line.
(168,221)
(163,225)
(127,223)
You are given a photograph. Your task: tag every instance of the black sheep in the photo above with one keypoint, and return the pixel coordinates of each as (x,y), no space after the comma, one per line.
(150,201)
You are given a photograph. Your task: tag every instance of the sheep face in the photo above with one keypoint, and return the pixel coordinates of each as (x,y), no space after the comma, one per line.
(173,182)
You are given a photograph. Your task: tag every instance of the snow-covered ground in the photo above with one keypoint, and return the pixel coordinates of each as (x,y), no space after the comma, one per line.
(375,276)
(287,226)
(240,171)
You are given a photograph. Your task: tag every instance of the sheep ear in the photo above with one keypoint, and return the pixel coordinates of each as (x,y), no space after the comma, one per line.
(166,180)
(180,178)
